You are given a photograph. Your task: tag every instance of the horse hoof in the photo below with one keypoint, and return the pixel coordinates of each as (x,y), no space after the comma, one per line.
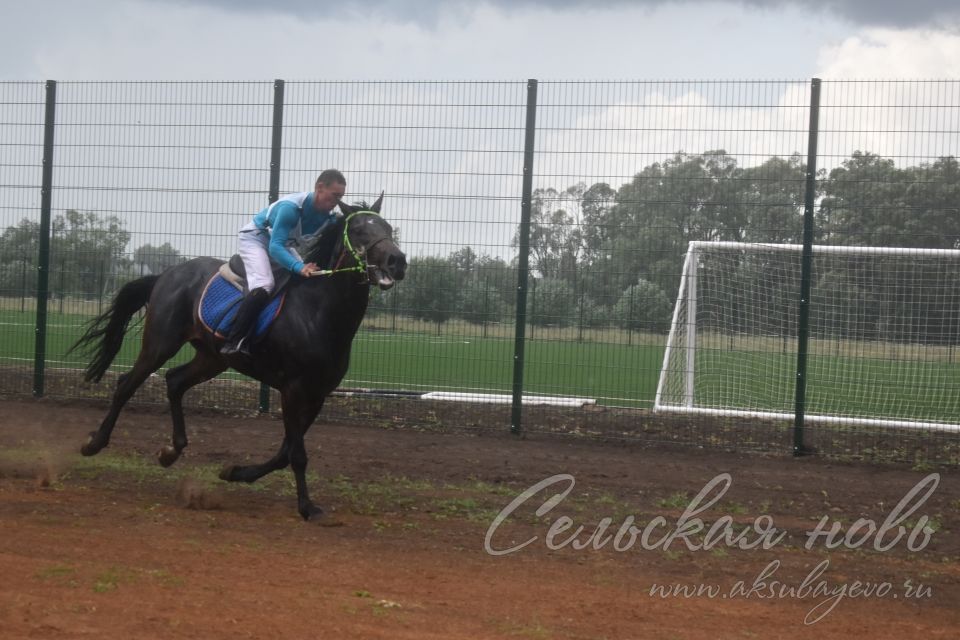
(89,449)
(227,473)
(167,455)
(311,512)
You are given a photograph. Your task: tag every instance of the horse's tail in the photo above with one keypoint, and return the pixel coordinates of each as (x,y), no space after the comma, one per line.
(104,335)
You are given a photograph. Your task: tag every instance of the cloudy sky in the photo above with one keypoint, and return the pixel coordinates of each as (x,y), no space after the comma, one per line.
(497,40)
(493,40)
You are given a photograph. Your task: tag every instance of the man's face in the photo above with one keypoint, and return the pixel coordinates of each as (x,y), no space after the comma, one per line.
(327,196)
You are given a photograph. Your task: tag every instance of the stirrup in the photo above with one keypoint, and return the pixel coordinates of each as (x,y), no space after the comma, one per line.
(231,348)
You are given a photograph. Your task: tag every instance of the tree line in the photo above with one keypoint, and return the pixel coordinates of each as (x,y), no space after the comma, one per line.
(88,256)
(602,256)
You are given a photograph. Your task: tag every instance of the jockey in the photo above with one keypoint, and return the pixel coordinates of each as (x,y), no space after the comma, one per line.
(271,235)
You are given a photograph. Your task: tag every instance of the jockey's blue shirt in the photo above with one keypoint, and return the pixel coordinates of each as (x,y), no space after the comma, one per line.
(289,220)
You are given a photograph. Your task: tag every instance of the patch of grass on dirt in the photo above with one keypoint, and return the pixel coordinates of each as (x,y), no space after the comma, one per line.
(164,578)
(531,629)
(733,508)
(473,500)
(131,468)
(465,507)
(127,467)
(490,488)
(57,572)
(373,498)
(678,500)
(107,581)
(607,505)
(112,578)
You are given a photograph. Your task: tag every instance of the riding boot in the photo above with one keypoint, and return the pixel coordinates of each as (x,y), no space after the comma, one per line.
(245,322)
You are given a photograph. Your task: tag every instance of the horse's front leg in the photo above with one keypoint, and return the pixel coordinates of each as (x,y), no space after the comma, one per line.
(300,409)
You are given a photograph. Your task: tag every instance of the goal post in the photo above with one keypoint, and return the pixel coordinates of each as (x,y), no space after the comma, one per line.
(883,337)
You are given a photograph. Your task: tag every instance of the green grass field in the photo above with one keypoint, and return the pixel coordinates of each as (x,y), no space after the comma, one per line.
(613,374)
(753,375)
(871,387)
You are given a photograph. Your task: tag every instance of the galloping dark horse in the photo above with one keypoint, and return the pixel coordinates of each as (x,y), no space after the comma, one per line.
(304,355)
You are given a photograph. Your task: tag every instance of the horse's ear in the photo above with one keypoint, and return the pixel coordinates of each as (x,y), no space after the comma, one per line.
(346,209)
(376,205)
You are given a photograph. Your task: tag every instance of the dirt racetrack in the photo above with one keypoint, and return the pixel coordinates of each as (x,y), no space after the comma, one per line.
(114,546)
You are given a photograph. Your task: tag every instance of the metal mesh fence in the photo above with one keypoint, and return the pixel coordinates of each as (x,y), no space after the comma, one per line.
(449,157)
(625,175)
(21,141)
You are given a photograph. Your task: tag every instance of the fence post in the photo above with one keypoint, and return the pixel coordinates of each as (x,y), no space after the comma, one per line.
(63,287)
(484,317)
(394,294)
(43,262)
(23,282)
(523,262)
(806,267)
(274,194)
(579,281)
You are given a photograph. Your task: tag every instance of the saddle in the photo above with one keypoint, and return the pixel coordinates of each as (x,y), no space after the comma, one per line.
(224,291)
(235,273)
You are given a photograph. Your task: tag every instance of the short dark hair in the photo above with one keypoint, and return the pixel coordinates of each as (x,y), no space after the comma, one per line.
(329,177)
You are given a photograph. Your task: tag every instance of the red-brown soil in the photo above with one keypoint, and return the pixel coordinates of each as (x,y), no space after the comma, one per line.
(115,547)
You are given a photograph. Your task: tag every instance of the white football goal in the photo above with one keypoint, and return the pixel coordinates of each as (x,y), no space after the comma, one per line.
(883,338)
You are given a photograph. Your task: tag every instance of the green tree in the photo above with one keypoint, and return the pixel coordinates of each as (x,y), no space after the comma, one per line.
(87,254)
(551,302)
(656,215)
(480,282)
(156,259)
(869,201)
(863,203)
(480,302)
(595,205)
(643,307)
(500,278)
(555,231)
(431,290)
(18,258)
(932,199)
(772,195)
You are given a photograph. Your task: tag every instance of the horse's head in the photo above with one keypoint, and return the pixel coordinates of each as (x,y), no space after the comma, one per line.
(371,239)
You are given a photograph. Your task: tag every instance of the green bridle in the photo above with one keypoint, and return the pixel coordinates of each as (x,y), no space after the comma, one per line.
(361,266)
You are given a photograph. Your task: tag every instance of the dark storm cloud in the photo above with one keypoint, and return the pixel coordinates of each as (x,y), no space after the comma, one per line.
(888,13)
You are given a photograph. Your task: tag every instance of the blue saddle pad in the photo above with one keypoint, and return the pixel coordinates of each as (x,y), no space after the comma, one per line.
(220,302)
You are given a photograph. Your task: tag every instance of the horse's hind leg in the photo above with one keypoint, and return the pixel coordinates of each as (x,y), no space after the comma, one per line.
(203,367)
(147,362)
(253,472)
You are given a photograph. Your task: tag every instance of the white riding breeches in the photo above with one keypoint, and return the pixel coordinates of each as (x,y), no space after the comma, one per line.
(253,249)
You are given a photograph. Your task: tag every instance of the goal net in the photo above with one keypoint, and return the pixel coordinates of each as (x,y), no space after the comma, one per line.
(883,341)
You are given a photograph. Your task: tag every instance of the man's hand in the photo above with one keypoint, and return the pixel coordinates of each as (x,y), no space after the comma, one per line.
(309,269)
